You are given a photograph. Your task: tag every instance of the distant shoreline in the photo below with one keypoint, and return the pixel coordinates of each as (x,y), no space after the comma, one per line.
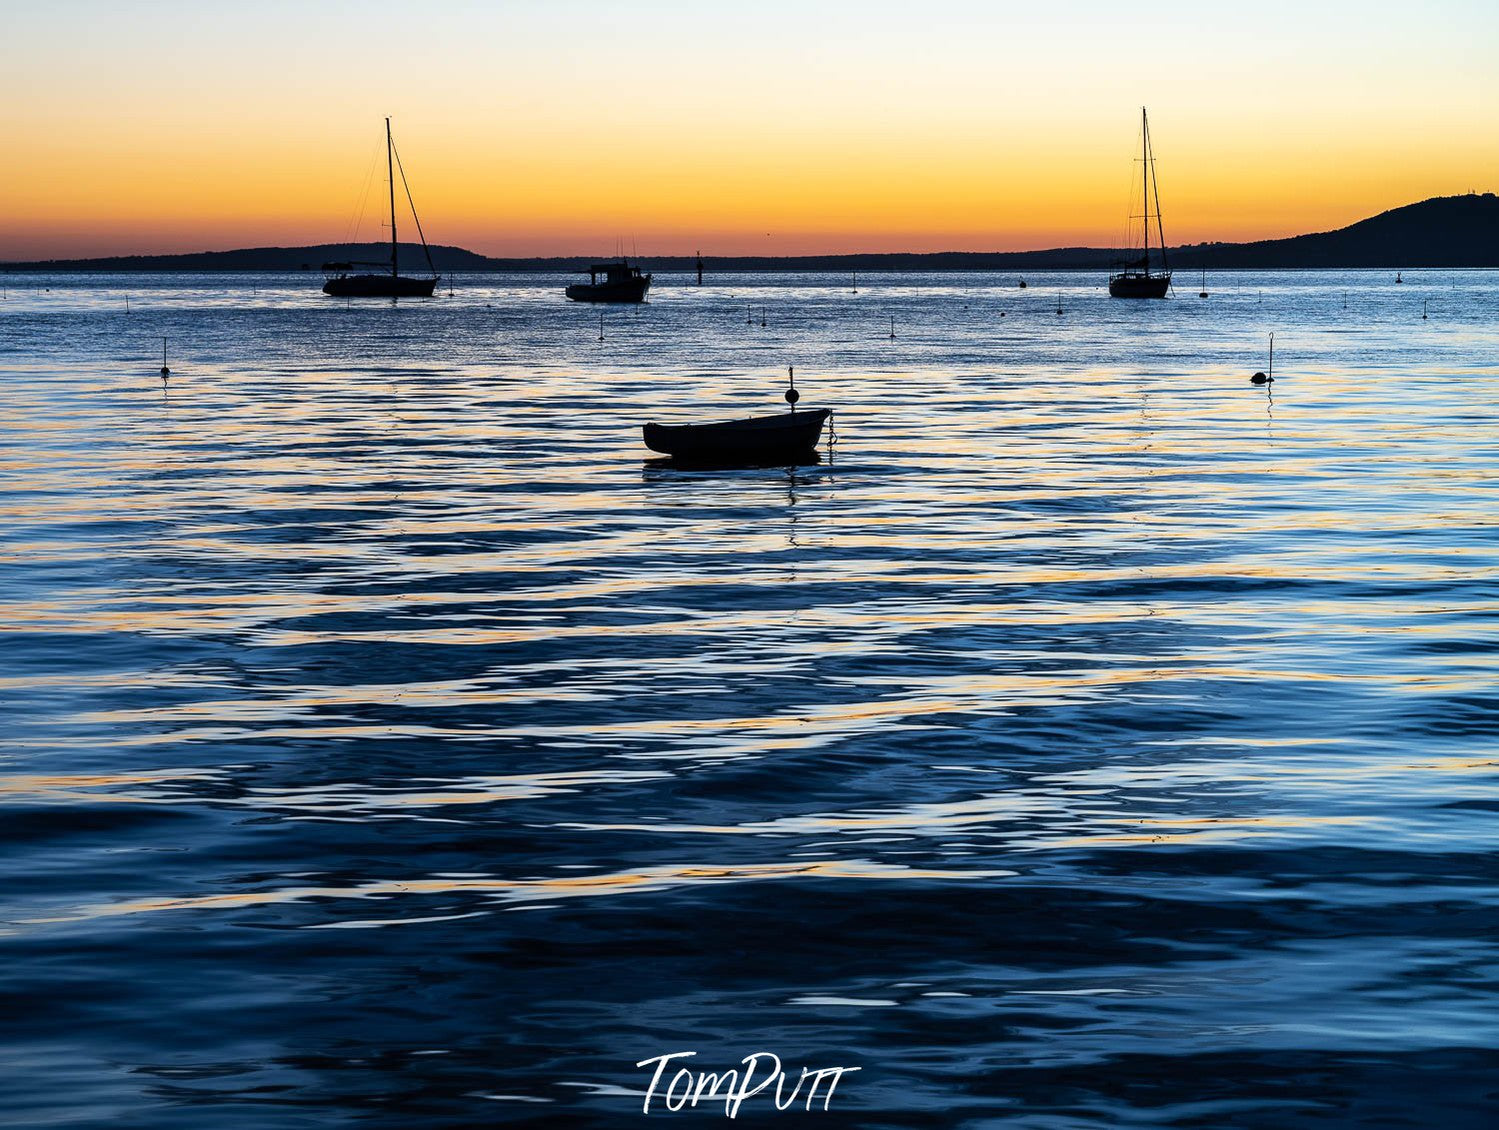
(1445,232)
(656,266)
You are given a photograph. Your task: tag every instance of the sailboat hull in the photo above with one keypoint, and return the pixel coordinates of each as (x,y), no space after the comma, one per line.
(1139,285)
(379,286)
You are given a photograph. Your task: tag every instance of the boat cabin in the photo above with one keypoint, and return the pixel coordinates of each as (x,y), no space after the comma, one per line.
(620,282)
(617,273)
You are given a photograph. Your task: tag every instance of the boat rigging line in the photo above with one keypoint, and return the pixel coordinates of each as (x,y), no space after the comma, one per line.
(418,220)
(364,197)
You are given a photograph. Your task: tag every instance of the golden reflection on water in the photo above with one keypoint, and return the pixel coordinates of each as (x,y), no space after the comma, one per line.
(64,787)
(1209,830)
(313,712)
(533,890)
(1062,560)
(1012,815)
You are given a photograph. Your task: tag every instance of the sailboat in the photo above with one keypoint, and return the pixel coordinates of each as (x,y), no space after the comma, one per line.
(1135,279)
(392,285)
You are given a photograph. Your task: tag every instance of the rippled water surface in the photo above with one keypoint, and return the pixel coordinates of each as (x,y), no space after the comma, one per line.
(1094,739)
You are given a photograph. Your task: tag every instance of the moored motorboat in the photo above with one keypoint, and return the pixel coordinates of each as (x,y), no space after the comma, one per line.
(621,283)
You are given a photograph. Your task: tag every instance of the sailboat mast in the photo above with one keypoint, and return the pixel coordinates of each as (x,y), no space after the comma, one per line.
(1160,230)
(1145,180)
(390,174)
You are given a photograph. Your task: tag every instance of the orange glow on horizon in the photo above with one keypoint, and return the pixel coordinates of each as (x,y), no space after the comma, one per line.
(785,131)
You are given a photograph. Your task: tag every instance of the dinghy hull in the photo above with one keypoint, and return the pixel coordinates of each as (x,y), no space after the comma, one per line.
(761,439)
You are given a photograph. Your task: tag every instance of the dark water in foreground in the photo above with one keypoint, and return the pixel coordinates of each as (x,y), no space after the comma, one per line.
(1096,741)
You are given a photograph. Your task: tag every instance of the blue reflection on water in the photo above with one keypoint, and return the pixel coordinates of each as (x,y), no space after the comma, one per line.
(1094,739)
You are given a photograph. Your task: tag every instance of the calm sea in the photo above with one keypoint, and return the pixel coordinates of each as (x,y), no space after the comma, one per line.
(1093,740)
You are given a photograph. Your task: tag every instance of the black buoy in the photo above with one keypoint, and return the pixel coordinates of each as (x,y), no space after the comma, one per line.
(1398,279)
(1022,284)
(165,372)
(1059,302)
(792,396)
(749,319)
(892,327)
(762,315)
(1423,309)
(1266,378)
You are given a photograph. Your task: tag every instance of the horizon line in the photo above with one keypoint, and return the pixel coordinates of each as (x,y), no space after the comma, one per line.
(8,263)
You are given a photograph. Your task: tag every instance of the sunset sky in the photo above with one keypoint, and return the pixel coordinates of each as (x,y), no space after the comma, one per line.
(771,127)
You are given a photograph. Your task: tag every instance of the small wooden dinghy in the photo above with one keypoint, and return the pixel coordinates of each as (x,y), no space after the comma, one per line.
(786,436)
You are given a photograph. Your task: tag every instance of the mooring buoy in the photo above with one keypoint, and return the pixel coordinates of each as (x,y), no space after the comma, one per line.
(1266,378)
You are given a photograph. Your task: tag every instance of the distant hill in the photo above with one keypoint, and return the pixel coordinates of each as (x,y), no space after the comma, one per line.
(271,259)
(1445,231)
